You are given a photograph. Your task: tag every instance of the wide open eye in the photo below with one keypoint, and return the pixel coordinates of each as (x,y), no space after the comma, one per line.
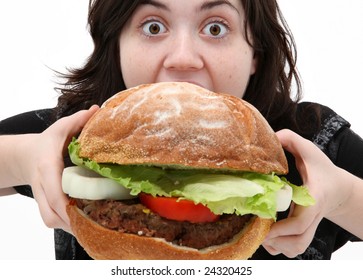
(215,29)
(152,28)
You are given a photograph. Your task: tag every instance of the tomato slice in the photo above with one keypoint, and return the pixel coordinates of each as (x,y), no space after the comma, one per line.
(182,210)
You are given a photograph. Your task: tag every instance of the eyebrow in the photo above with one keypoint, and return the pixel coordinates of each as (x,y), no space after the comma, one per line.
(155,4)
(211,4)
(205,6)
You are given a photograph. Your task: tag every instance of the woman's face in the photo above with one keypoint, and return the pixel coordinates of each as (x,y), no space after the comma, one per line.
(197,41)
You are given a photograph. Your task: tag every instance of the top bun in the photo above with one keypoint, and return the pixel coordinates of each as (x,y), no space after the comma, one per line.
(183,126)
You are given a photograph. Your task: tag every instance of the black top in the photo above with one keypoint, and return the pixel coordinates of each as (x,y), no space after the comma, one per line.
(335,138)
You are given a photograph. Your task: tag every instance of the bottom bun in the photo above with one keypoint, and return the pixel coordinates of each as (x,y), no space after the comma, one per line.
(102,243)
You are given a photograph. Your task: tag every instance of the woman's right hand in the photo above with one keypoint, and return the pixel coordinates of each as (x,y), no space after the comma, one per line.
(43,166)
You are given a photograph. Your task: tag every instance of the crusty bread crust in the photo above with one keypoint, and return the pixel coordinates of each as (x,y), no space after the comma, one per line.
(102,243)
(182,125)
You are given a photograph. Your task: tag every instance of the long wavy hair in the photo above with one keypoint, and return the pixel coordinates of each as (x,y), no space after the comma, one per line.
(269,89)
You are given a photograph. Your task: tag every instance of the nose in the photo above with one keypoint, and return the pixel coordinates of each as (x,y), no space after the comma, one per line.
(183,54)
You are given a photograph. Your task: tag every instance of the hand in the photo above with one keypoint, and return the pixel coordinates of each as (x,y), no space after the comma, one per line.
(44,166)
(291,236)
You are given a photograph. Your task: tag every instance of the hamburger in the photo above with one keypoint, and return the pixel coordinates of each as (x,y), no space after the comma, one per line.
(175,171)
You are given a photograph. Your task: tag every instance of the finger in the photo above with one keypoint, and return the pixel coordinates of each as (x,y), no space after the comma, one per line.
(56,198)
(50,218)
(291,236)
(298,221)
(290,246)
(270,248)
(58,202)
(47,186)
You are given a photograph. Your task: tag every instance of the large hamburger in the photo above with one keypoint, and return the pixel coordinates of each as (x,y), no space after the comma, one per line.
(174,171)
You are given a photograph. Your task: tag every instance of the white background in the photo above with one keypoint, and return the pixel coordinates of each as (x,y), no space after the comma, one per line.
(40,35)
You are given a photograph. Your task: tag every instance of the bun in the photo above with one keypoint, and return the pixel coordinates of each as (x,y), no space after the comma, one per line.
(183,126)
(102,243)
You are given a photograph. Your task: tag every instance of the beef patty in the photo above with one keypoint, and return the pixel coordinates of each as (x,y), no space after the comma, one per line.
(130,216)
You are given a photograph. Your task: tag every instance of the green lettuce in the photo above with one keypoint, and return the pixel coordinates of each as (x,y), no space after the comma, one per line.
(239,193)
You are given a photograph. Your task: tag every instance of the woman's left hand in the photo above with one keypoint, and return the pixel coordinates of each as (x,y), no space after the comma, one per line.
(292,236)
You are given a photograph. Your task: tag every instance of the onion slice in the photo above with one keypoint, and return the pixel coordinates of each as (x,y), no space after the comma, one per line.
(79,182)
(283,198)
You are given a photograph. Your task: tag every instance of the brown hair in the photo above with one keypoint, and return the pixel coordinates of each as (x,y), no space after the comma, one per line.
(269,89)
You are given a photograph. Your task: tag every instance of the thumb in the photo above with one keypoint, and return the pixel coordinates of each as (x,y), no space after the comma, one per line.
(73,124)
(67,127)
(295,144)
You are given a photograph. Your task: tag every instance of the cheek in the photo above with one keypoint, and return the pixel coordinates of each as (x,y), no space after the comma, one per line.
(126,64)
(136,66)
(234,73)
(130,68)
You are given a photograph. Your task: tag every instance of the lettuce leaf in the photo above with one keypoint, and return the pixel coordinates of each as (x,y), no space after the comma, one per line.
(239,193)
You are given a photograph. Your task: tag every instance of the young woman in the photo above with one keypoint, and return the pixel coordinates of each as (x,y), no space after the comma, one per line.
(240,47)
